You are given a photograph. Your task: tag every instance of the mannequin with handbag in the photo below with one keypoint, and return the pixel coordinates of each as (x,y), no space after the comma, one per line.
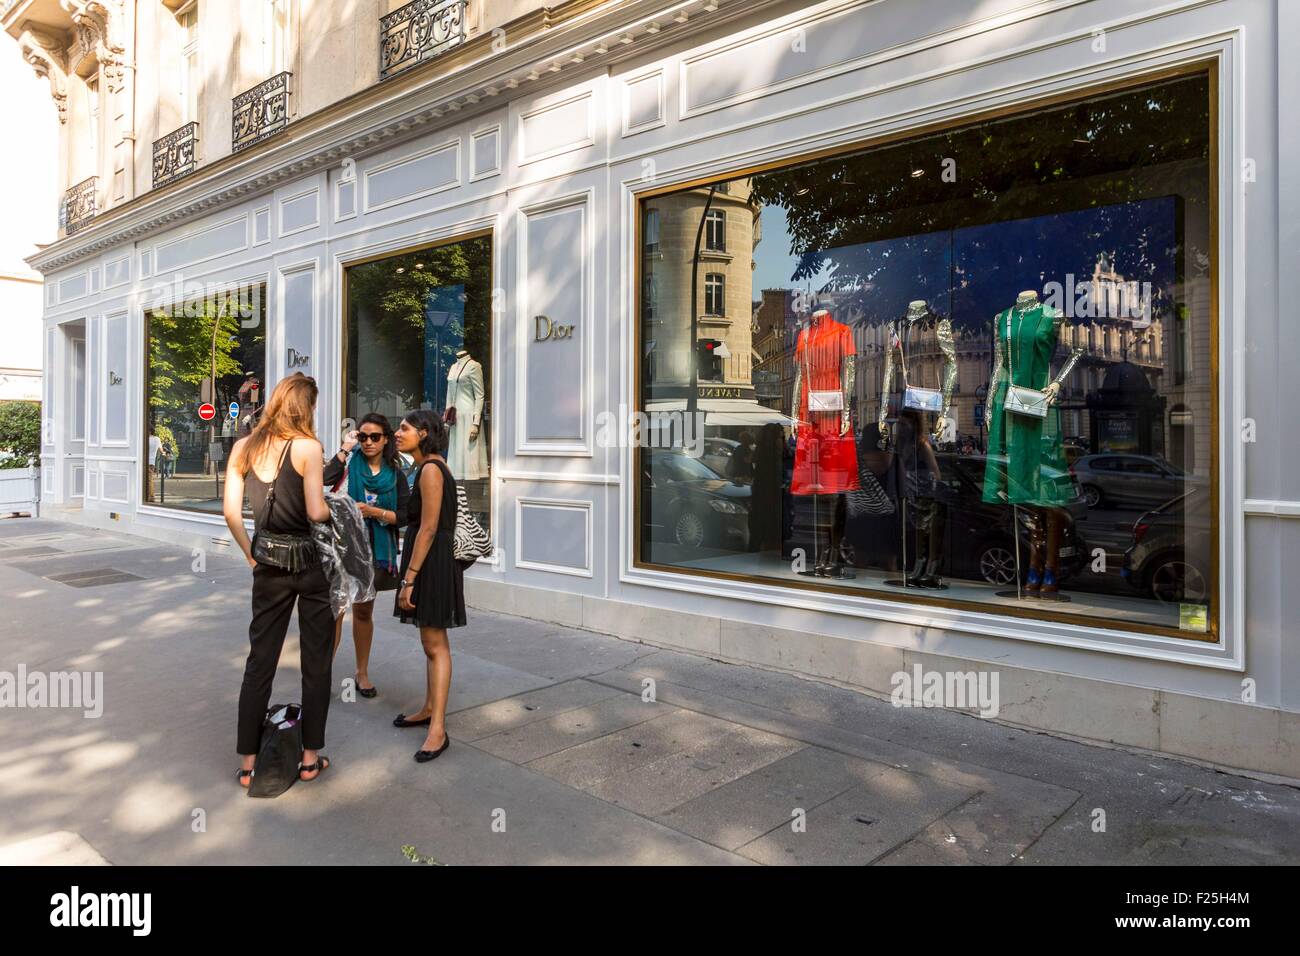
(1026,453)
(913,443)
(826,457)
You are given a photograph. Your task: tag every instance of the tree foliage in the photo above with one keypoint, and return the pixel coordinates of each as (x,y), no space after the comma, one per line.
(20,434)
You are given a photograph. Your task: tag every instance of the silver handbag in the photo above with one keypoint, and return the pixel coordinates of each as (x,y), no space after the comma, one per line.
(1026,401)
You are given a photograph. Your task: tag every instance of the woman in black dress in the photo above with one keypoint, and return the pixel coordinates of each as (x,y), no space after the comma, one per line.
(432,590)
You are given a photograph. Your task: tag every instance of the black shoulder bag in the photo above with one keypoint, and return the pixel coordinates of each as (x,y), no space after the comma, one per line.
(289,552)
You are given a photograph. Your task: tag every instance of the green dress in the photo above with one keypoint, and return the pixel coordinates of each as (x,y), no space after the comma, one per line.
(1026,460)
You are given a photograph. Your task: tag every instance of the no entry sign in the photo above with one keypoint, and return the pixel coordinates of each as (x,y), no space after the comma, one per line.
(207,411)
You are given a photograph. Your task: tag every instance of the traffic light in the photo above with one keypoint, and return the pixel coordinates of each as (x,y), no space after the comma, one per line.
(709,359)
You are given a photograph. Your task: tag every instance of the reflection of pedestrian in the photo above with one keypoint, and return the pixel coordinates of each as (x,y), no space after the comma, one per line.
(740,468)
(765,496)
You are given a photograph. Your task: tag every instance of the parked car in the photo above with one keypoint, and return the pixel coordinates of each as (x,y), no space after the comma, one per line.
(979,538)
(979,541)
(685,501)
(1130,481)
(1172,548)
(717,455)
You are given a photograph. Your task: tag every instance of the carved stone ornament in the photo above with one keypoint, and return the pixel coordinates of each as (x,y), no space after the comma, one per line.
(96,29)
(44,52)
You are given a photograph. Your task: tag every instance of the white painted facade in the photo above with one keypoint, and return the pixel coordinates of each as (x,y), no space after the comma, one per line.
(548,148)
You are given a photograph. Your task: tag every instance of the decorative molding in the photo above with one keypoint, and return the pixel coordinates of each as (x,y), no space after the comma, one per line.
(95,26)
(44,53)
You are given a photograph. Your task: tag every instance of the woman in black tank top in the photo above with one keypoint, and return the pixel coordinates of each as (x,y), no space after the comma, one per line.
(280,467)
(432,591)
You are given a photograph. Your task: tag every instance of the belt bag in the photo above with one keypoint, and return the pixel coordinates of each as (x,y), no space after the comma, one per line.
(1026,401)
(825,401)
(923,399)
(290,552)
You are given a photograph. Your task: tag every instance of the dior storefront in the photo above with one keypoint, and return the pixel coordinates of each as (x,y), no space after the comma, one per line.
(802,335)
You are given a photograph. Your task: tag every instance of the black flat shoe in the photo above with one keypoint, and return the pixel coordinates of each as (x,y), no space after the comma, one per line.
(401,721)
(369,693)
(424,756)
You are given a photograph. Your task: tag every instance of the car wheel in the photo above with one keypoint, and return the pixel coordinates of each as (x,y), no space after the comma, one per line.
(1092,495)
(689,530)
(1174,580)
(998,565)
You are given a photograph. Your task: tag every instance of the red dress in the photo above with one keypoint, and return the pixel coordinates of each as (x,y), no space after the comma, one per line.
(825,462)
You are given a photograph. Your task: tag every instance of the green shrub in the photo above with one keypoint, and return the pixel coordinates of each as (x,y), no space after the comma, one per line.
(20,434)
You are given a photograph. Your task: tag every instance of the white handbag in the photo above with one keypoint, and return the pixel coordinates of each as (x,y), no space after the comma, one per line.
(923,399)
(825,401)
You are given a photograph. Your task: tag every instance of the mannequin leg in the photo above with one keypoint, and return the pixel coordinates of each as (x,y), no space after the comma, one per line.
(1052,517)
(1034,579)
(938,521)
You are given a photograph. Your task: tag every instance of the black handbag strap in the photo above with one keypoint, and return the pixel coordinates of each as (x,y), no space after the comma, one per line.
(270,491)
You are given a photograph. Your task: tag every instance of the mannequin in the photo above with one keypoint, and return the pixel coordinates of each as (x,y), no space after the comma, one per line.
(912,442)
(826,458)
(466,446)
(1025,340)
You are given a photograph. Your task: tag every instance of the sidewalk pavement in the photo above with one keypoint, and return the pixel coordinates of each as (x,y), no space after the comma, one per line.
(555,757)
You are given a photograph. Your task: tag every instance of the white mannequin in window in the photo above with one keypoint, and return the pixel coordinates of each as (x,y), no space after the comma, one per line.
(466,447)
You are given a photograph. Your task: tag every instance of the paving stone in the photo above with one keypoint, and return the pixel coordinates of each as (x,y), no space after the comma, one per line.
(759,802)
(863,823)
(542,738)
(513,712)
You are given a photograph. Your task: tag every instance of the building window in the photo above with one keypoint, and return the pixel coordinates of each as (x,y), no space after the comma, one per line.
(94,110)
(419,335)
(190,78)
(210,350)
(989,507)
(276,34)
(651,240)
(651,296)
(715,231)
(715,294)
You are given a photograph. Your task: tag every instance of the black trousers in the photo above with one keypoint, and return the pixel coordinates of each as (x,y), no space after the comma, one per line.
(274,594)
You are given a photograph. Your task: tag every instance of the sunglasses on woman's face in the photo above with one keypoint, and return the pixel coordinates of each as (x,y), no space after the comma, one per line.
(370,436)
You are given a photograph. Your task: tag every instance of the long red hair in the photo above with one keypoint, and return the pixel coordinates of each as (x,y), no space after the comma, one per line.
(290,413)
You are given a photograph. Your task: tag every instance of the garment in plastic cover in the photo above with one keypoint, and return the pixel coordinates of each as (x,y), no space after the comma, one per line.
(343,543)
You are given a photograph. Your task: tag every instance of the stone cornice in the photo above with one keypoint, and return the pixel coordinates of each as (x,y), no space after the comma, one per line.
(578,35)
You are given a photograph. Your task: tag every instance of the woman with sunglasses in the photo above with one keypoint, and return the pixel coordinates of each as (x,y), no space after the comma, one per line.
(376,483)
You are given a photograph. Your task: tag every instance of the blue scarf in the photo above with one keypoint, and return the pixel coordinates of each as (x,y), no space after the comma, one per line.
(383,537)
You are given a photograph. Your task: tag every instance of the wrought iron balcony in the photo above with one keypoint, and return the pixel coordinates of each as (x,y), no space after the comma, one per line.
(417,32)
(261,112)
(175,155)
(78,206)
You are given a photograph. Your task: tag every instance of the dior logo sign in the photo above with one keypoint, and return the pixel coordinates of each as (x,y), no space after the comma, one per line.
(114,378)
(547,331)
(296,359)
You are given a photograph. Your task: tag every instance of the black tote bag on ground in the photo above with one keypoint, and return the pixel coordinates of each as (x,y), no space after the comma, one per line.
(279,753)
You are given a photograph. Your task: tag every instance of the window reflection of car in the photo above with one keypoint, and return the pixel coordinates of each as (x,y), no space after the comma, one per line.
(685,501)
(978,539)
(717,454)
(1133,481)
(1172,544)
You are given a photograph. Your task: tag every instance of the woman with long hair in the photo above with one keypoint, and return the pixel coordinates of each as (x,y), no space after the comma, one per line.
(432,591)
(375,482)
(280,464)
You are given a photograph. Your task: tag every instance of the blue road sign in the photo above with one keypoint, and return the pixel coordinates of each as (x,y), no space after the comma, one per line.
(234,409)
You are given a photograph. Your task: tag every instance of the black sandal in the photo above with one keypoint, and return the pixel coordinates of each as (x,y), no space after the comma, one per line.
(319,767)
(241,775)
(369,693)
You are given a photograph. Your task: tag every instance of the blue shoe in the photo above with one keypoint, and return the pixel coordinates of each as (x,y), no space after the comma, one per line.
(1050,588)
(1033,583)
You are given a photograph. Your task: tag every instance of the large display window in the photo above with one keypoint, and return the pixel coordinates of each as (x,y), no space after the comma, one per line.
(205,373)
(975,367)
(419,335)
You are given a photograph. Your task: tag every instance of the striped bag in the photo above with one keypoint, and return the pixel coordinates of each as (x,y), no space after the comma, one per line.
(470,541)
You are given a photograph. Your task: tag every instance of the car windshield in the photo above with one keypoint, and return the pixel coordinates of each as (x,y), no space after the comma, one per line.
(680,468)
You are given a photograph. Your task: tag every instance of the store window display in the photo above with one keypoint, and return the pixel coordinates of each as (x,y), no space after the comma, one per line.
(418,335)
(941,369)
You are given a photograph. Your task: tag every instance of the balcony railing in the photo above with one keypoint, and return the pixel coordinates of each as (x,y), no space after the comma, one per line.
(417,32)
(175,155)
(261,112)
(78,206)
